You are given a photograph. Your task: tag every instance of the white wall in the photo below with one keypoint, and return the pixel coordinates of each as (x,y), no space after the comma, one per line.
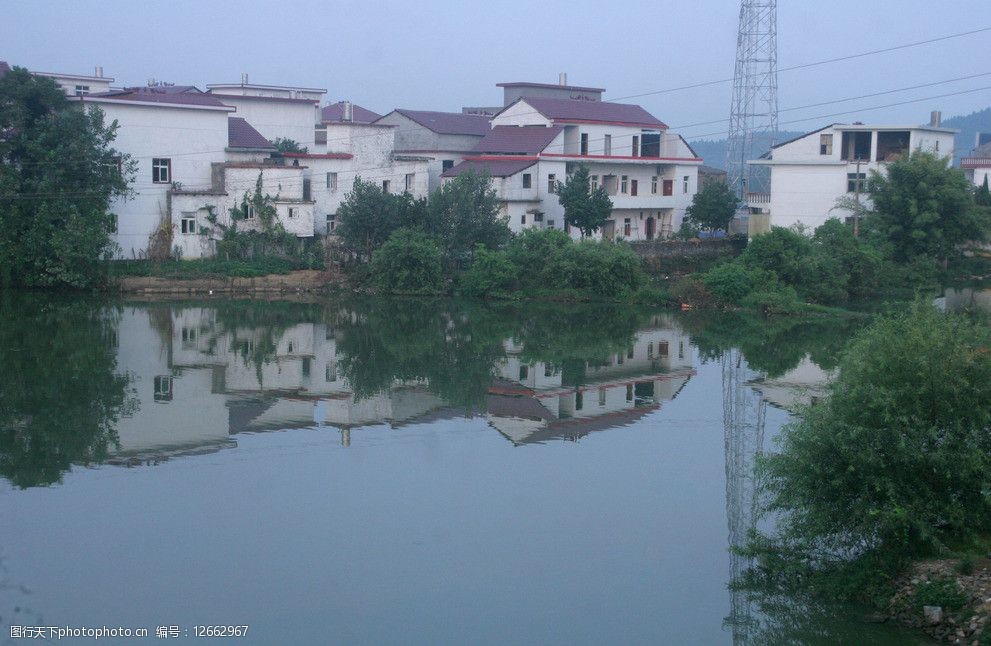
(294,120)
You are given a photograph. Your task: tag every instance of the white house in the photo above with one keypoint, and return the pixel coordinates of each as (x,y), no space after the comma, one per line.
(539,139)
(275,110)
(811,172)
(80,84)
(977,165)
(443,137)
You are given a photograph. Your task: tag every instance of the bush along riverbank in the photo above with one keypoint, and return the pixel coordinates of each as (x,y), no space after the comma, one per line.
(890,470)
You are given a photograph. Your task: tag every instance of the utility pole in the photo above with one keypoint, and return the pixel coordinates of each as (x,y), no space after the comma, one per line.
(753,123)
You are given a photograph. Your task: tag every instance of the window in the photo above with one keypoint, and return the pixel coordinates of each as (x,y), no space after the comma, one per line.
(330,372)
(650,144)
(410,180)
(161,170)
(584,143)
(602,396)
(636,146)
(624,183)
(188,337)
(524,372)
(629,353)
(249,211)
(550,224)
(163,388)
(595,182)
(607,145)
(307,190)
(446,165)
(82,89)
(527,180)
(113,223)
(825,144)
(331,222)
(619,359)
(653,185)
(650,350)
(538,216)
(547,370)
(681,349)
(551,183)
(684,184)
(385,185)
(332,181)
(856,182)
(188,223)
(629,392)
(523,218)
(117,165)
(668,187)
(305,367)
(856,146)
(579,400)
(633,187)
(293,212)
(662,349)
(626,227)
(289,348)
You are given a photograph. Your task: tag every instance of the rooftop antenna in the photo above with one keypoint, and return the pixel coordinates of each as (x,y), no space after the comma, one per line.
(753,119)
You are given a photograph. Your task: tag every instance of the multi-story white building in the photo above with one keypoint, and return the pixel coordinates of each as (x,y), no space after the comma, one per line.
(811,172)
(276,111)
(80,84)
(545,131)
(977,165)
(443,137)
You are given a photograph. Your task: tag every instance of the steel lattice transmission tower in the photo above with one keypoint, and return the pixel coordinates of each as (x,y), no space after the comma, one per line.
(753,120)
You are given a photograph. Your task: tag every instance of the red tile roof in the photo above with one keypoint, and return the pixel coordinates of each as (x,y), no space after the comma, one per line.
(449,123)
(335,112)
(569,110)
(512,140)
(490,167)
(240,134)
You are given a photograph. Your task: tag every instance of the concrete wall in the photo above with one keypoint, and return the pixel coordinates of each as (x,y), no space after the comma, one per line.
(295,120)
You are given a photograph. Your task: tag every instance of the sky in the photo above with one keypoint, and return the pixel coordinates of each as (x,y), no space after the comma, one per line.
(443,55)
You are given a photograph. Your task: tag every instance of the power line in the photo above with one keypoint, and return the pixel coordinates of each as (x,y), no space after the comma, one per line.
(813,64)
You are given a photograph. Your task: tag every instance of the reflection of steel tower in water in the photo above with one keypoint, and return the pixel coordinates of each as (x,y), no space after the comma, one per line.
(743,436)
(753,119)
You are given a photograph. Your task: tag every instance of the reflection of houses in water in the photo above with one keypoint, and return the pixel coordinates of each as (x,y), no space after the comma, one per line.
(199,381)
(531,403)
(802,385)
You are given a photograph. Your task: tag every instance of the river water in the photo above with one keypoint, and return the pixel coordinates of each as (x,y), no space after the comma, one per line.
(396,471)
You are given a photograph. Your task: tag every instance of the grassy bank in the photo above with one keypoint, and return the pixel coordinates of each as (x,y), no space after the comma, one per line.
(206,268)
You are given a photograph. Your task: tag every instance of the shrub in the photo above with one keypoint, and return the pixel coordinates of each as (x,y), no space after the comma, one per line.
(408,262)
(942,592)
(896,462)
(491,274)
(729,283)
(782,251)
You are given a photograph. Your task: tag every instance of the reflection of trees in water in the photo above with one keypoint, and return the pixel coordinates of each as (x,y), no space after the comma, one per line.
(770,345)
(454,346)
(60,394)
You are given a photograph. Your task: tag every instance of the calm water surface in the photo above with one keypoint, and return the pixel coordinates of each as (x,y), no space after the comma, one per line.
(396,472)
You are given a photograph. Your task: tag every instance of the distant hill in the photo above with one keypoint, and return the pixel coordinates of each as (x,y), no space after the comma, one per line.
(713,151)
(968,125)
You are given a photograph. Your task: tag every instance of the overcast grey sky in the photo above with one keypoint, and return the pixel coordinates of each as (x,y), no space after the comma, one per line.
(442,55)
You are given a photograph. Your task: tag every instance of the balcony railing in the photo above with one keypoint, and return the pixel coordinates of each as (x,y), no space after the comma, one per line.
(758,198)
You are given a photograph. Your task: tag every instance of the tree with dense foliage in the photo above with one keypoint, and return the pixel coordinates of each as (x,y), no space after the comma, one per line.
(922,207)
(713,206)
(895,463)
(983,195)
(585,208)
(58,176)
(287,145)
(369,216)
(409,262)
(464,213)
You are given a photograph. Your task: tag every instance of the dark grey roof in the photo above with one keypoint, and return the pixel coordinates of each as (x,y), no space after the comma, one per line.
(449,123)
(493,167)
(513,140)
(335,112)
(240,134)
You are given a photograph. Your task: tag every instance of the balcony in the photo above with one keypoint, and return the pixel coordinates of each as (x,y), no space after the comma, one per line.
(758,199)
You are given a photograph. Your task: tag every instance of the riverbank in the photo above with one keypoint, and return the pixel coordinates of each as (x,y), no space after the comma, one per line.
(947,599)
(304,280)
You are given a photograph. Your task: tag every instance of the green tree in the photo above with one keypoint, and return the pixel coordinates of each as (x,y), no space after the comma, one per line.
(713,206)
(409,262)
(464,213)
(584,208)
(983,195)
(287,145)
(58,175)
(922,207)
(894,464)
(369,216)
